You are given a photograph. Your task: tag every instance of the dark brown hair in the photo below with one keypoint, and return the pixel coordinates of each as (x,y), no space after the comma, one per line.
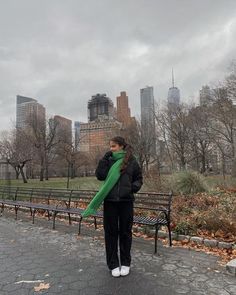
(128,148)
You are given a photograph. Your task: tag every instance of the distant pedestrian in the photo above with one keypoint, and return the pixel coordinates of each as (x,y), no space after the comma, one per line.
(123,178)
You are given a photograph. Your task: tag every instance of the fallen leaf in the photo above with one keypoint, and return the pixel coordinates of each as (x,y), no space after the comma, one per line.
(42,286)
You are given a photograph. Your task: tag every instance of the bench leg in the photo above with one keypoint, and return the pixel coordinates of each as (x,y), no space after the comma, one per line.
(2,209)
(156,234)
(80,221)
(33,214)
(48,214)
(69,219)
(16,210)
(95,223)
(170,238)
(54,219)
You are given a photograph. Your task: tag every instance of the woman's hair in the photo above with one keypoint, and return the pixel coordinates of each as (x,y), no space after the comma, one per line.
(127,148)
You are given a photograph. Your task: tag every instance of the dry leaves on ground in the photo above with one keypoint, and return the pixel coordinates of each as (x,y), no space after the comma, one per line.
(225,254)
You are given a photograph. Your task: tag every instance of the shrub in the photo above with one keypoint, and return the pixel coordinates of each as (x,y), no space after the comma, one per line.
(185,228)
(188,182)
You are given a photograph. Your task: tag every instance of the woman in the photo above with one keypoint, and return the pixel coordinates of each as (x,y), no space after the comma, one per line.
(118,204)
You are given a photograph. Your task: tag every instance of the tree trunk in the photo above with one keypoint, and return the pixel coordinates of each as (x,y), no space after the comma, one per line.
(41,174)
(46,172)
(42,167)
(223,166)
(146,165)
(203,170)
(23,174)
(72,171)
(197,161)
(46,166)
(17,172)
(68,176)
(182,163)
(233,171)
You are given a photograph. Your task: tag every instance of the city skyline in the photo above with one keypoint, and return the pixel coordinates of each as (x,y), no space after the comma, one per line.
(21,110)
(62,52)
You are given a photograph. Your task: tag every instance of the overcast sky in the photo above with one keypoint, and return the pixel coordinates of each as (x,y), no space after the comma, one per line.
(62,52)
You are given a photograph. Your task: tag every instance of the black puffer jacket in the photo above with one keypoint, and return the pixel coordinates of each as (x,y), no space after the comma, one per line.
(129,183)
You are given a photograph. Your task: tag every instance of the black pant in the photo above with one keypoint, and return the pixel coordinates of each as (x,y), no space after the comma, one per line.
(118,221)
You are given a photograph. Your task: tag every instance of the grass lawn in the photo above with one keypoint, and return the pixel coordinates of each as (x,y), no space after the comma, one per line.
(92,183)
(77,183)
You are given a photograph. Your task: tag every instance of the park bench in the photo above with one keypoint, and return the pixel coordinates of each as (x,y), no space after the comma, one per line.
(53,201)
(17,197)
(150,209)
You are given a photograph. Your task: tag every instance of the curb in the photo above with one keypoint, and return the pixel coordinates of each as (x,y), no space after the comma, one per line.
(231,267)
(195,239)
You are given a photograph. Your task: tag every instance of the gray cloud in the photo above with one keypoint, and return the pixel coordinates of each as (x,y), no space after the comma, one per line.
(62,52)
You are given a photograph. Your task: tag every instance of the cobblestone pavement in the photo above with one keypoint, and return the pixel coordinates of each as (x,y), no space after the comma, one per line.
(30,254)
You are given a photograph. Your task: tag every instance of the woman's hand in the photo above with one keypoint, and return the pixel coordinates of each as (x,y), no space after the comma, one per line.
(107,155)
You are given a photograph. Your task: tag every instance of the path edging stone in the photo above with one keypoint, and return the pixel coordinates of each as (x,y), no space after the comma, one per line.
(231,267)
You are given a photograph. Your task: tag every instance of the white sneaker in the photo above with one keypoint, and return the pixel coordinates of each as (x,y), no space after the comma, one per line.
(124,270)
(115,272)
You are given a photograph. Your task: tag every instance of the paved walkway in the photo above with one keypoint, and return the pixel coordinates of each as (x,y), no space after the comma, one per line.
(30,254)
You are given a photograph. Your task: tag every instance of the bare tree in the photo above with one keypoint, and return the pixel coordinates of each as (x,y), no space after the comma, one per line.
(14,148)
(42,136)
(222,116)
(173,124)
(143,141)
(231,91)
(199,137)
(73,158)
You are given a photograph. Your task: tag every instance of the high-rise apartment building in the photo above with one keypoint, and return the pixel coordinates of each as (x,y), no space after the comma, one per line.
(123,110)
(100,107)
(173,98)
(63,129)
(148,117)
(147,108)
(206,96)
(27,109)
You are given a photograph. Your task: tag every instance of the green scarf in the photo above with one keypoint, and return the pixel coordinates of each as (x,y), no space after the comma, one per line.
(111,179)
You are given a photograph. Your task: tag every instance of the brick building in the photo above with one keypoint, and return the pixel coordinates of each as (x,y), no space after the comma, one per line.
(63,129)
(95,136)
(123,110)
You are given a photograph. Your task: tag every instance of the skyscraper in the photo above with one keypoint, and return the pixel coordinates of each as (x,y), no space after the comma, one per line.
(173,98)
(206,96)
(26,108)
(63,130)
(94,136)
(123,110)
(148,118)
(100,107)
(147,107)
